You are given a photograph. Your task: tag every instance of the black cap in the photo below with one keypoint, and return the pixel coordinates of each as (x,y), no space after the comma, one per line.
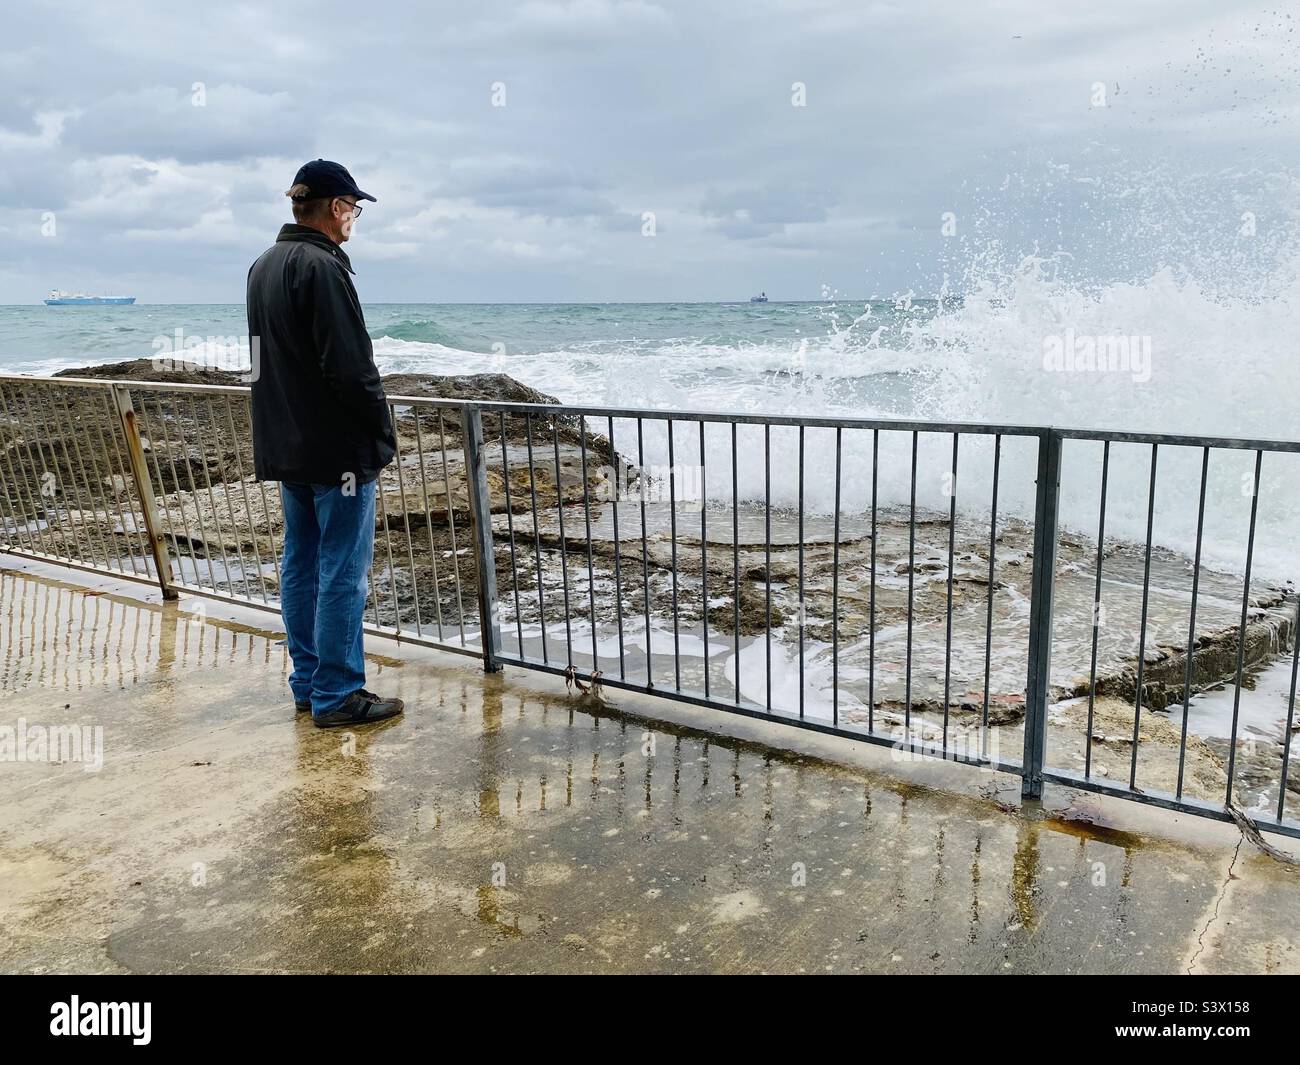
(325,178)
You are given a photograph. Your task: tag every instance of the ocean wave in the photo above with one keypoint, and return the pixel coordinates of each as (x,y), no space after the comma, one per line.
(394,355)
(422,330)
(1220,363)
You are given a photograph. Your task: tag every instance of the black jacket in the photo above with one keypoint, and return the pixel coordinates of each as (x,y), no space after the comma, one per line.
(319,409)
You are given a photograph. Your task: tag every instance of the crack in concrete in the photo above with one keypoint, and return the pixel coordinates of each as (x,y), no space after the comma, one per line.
(1227,880)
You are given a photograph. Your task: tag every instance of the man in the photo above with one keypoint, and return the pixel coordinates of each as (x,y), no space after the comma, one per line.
(321,428)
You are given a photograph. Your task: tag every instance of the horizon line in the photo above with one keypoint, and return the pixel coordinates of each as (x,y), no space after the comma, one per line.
(533,303)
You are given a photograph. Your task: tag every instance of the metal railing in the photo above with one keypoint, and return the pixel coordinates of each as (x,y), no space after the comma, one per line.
(545,536)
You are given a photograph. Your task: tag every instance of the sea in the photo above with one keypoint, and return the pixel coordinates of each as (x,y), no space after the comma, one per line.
(1159,354)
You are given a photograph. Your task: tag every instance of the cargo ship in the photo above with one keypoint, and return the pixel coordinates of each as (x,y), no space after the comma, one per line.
(57,298)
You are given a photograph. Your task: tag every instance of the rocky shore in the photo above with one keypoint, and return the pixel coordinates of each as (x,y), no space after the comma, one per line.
(64,474)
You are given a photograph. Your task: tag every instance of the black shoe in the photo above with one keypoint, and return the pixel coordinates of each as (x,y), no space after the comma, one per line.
(359,710)
(305,706)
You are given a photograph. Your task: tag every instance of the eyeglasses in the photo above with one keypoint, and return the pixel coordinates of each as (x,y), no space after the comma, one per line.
(356,208)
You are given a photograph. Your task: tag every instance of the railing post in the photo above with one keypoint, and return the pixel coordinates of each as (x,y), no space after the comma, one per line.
(144,488)
(480,513)
(1042,583)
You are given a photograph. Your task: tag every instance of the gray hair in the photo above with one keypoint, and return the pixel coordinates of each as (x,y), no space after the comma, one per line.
(306,207)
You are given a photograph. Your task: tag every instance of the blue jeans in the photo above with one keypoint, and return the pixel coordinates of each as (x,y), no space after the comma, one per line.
(329,540)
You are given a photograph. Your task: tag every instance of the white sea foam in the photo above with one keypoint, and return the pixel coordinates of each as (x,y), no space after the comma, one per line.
(1221,364)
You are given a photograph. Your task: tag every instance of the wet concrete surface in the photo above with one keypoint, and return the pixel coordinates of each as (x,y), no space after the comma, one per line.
(504,826)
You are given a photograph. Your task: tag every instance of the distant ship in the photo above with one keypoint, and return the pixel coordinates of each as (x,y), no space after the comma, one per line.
(760,298)
(57,298)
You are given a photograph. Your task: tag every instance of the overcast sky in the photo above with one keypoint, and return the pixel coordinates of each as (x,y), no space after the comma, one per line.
(145,147)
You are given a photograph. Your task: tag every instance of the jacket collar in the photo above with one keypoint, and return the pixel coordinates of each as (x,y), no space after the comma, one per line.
(293,231)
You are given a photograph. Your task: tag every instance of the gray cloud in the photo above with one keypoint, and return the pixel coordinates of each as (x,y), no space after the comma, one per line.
(527,187)
(762,212)
(618,108)
(195,123)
